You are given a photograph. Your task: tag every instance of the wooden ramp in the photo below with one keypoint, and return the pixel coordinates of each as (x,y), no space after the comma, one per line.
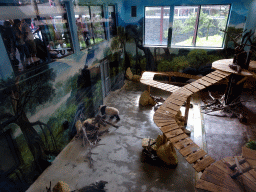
(164,116)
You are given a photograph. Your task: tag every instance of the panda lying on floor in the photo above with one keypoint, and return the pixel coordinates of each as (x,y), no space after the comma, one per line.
(113,112)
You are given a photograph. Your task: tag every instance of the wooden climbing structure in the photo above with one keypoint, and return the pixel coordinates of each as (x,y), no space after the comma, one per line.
(164,118)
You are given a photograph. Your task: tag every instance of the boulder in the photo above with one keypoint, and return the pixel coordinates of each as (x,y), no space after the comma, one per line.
(129,74)
(146,99)
(136,78)
(167,153)
(61,187)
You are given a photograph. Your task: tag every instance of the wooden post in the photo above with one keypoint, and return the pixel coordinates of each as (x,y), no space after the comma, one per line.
(149,88)
(187,109)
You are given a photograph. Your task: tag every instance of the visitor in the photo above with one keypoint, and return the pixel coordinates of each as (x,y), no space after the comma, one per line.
(20,44)
(29,39)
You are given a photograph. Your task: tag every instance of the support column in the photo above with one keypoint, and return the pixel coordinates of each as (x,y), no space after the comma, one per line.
(187,109)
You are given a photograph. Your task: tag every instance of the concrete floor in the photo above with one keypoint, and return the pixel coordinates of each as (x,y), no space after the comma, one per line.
(118,159)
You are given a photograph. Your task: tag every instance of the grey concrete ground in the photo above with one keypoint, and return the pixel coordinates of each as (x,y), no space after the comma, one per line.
(119,159)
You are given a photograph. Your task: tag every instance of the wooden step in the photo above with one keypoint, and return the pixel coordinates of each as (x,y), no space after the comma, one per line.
(178,138)
(183,143)
(168,128)
(205,162)
(195,156)
(189,149)
(173,133)
(197,85)
(203,82)
(191,88)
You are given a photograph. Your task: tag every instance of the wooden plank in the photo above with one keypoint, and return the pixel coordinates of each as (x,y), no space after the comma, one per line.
(191,88)
(201,184)
(253,173)
(168,128)
(223,72)
(218,74)
(183,143)
(224,167)
(172,106)
(185,91)
(166,110)
(197,85)
(179,97)
(250,177)
(175,101)
(195,156)
(173,133)
(179,137)
(249,185)
(189,149)
(164,120)
(209,79)
(165,124)
(217,177)
(203,82)
(247,153)
(217,78)
(164,115)
(205,162)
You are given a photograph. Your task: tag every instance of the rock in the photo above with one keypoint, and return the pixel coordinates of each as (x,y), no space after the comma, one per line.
(146,99)
(61,187)
(136,78)
(167,153)
(145,143)
(129,74)
(90,120)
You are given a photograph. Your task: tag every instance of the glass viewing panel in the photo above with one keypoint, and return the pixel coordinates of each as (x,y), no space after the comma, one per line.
(213,18)
(84,29)
(184,25)
(35,33)
(192,30)
(156,25)
(98,25)
(112,21)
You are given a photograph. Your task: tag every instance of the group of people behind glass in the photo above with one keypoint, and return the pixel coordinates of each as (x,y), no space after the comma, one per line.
(18,34)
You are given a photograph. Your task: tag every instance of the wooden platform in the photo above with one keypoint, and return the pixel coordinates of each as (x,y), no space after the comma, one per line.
(164,116)
(216,175)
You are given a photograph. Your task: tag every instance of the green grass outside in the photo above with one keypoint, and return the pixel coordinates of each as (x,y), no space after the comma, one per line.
(213,41)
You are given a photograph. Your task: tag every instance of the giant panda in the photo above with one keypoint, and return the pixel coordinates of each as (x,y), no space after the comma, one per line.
(113,112)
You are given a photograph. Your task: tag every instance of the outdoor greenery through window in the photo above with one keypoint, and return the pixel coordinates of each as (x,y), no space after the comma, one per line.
(199,26)
(156,25)
(90,25)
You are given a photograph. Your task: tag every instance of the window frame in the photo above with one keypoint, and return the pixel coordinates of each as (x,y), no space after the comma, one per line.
(196,27)
(171,18)
(144,28)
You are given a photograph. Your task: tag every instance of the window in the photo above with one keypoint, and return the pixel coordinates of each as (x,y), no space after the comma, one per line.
(35,33)
(156,26)
(90,25)
(112,21)
(199,26)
